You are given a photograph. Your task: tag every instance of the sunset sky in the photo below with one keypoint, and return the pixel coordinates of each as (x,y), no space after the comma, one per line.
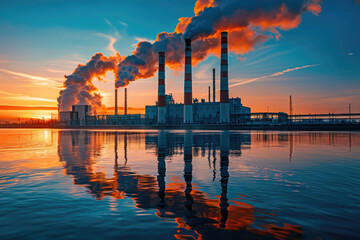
(317,62)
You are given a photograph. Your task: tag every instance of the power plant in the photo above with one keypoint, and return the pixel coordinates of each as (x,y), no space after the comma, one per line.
(167,112)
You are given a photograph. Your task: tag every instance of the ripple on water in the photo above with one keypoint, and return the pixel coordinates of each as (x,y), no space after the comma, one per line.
(178,184)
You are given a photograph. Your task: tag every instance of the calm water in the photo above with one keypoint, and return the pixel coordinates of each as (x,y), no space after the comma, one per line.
(61,184)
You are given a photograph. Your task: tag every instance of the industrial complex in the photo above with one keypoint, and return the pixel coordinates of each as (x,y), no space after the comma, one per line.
(166,112)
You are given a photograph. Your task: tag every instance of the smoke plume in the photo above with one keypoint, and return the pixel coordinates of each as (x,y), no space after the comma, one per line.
(248,23)
(79,88)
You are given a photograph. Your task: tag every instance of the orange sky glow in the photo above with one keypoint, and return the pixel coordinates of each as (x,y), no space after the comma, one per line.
(264,69)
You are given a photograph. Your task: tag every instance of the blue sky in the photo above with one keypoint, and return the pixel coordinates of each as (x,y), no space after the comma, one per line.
(47,39)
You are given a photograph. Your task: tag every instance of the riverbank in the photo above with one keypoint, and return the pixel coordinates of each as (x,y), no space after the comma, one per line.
(289,127)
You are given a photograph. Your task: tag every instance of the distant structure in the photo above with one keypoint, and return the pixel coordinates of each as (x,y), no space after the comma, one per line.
(291,107)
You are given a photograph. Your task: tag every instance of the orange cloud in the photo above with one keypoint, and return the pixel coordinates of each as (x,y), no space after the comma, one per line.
(200,5)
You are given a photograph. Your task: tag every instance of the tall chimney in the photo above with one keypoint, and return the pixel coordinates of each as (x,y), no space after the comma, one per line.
(161,89)
(125,107)
(116,101)
(213,84)
(209,94)
(224,81)
(188,110)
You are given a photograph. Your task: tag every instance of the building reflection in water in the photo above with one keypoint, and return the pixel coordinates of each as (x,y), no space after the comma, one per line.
(197,216)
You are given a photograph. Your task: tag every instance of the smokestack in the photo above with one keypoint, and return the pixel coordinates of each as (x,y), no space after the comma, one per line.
(213,84)
(188,110)
(209,94)
(224,81)
(116,101)
(161,89)
(125,107)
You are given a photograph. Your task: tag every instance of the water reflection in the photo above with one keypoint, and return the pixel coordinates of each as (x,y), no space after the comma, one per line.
(224,173)
(197,216)
(161,168)
(178,184)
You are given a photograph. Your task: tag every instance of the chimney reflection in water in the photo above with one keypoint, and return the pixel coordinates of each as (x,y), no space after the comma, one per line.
(188,143)
(125,148)
(214,161)
(162,144)
(209,154)
(79,152)
(116,149)
(224,173)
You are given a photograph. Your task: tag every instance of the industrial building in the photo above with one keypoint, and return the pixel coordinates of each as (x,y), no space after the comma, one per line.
(78,115)
(203,112)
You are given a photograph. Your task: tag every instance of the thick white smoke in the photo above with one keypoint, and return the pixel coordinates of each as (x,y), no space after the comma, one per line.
(79,88)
